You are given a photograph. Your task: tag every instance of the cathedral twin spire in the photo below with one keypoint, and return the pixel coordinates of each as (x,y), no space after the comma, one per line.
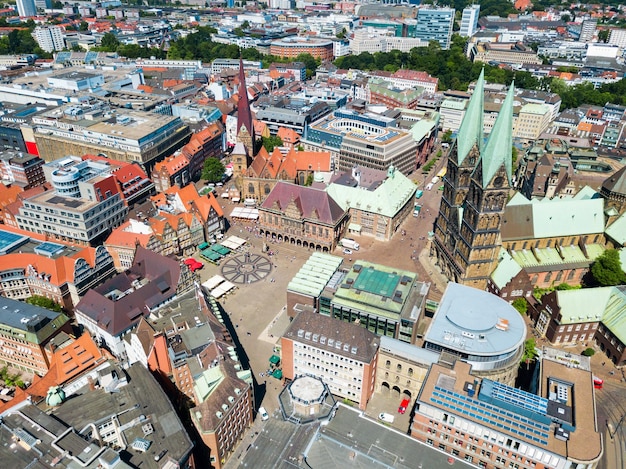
(498,149)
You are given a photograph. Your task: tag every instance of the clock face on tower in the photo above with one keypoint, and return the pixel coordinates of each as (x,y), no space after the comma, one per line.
(497,182)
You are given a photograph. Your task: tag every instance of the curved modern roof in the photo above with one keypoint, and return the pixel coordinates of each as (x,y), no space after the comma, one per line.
(476,322)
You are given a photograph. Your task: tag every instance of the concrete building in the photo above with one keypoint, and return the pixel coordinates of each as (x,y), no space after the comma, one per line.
(85,205)
(369,40)
(409,79)
(507,53)
(131,136)
(469,20)
(75,80)
(88,421)
(532,120)
(588,30)
(480,329)
(451,112)
(435,24)
(363,139)
(26,8)
(493,425)
(49,38)
(26,330)
(343,355)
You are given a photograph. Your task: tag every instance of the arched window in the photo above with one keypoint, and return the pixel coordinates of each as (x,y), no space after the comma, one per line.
(266,189)
(250,188)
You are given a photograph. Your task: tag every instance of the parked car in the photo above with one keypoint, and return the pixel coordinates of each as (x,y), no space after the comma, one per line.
(263,413)
(403,405)
(386,417)
(347,251)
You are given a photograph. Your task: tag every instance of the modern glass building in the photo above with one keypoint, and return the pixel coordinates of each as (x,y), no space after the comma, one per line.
(435,24)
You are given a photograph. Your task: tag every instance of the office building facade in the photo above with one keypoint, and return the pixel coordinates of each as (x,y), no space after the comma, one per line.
(435,24)
(469,20)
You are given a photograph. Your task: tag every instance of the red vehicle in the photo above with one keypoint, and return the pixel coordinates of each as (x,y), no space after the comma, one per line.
(597,382)
(403,405)
(193,264)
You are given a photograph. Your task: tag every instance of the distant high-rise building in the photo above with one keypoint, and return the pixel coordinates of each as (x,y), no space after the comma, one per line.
(26,8)
(469,20)
(49,38)
(587,30)
(435,24)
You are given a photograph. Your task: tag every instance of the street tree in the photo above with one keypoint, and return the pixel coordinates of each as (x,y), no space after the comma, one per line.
(213,170)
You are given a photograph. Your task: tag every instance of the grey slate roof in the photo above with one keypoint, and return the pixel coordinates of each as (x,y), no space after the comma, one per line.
(312,326)
(162,275)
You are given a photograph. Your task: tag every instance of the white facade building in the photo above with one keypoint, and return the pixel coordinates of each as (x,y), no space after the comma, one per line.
(26,8)
(469,20)
(49,38)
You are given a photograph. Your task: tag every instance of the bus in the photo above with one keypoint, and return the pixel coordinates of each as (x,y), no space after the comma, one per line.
(442,172)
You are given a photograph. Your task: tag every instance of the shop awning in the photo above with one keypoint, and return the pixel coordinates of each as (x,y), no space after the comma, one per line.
(278,374)
(274,359)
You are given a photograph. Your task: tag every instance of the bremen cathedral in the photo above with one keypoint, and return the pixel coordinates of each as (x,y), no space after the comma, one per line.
(467,237)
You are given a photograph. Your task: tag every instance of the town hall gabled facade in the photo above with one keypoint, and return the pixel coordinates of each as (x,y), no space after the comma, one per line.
(467,236)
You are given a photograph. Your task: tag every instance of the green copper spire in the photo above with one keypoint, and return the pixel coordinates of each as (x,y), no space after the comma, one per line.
(471,129)
(498,149)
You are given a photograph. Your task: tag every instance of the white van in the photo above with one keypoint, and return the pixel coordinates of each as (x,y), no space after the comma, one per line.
(429,186)
(386,417)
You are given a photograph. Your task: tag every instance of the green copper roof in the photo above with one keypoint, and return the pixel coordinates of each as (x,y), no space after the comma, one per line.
(606,304)
(617,230)
(498,149)
(506,270)
(386,200)
(471,129)
(584,305)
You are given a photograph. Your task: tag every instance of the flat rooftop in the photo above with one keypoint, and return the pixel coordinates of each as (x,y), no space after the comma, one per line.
(353,440)
(475,322)
(52,199)
(12,242)
(142,396)
(380,290)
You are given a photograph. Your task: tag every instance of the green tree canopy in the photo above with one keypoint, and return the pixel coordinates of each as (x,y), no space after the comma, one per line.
(521,305)
(607,269)
(271,142)
(109,42)
(530,352)
(213,170)
(44,302)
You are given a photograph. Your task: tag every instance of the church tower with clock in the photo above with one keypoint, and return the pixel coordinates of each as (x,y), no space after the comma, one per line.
(467,237)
